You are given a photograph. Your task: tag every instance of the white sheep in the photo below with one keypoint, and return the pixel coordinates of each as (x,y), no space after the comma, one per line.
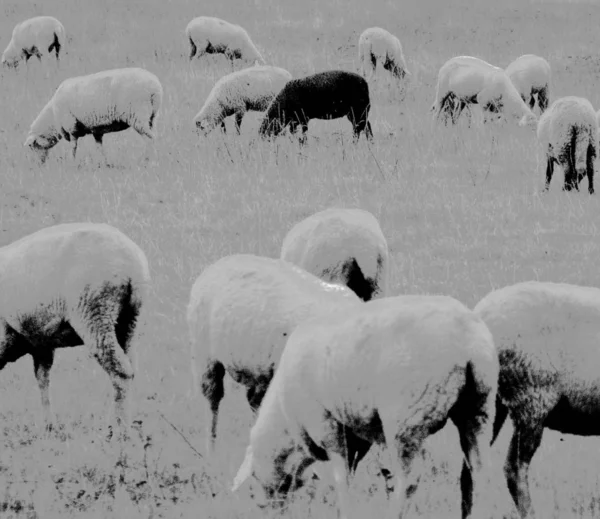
(249,89)
(105,102)
(70,285)
(568,135)
(378,45)
(531,76)
(34,37)
(465,80)
(209,35)
(241,310)
(546,335)
(343,246)
(390,372)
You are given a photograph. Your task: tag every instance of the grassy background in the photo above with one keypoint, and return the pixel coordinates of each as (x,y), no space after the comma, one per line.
(462,212)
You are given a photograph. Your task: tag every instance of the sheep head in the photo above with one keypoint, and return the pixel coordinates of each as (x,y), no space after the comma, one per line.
(41,145)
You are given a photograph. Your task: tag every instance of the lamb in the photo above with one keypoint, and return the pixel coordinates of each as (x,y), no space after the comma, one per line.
(465,80)
(390,372)
(546,335)
(343,246)
(377,44)
(104,102)
(568,134)
(325,95)
(252,88)
(530,74)
(34,37)
(208,35)
(70,285)
(241,310)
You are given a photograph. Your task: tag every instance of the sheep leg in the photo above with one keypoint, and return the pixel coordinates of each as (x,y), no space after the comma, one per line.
(591,155)
(42,363)
(74,148)
(549,172)
(98,139)
(303,135)
(213,390)
(341,476)
(193,49)
(256,392)
(543,99)
(238,121)
(369,65)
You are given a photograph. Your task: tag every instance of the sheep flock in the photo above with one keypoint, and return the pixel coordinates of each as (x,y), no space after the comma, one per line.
(336,358)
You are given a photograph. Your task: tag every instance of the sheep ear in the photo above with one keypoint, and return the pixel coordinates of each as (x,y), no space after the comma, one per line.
(245,470)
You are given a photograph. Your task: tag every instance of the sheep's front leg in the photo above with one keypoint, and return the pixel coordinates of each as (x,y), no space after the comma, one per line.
(42,363)
(238,121)
(590,169)
(74,149)
(549,172)
(213,390)
(98,139)
(341,476)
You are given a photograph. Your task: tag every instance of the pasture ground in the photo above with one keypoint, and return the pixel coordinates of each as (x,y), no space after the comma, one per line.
(462,211)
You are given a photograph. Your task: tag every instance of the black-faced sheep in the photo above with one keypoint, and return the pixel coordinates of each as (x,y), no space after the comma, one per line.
(325,95)
(378,45)
(531,76)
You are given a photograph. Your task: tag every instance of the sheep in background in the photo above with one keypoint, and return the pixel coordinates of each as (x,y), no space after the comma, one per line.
(105,102)
(325,95)
(465,80)
(377,44)
(390,372)
(34,37)
(568,134)
(343,246)
(546,335)
(531,76)
(242,308)
(209,35)
(252,88)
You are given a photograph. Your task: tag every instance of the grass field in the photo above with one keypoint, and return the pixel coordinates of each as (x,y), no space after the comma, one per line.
(462,211)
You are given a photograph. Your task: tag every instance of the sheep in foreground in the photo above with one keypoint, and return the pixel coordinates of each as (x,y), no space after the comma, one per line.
(252,88)
(71,285)
(343,246)
(377,44)
(325,95)
(208,35)
(568,134)
(390,372)
(241,311)
(546,335)
(531,76)
(105,102)
(465,80)
(34,37)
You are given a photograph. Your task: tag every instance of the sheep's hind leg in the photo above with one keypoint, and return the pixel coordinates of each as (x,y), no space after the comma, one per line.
(238,121)
(42,364)
(213,390)
(591,155)
(98,139)
(549,172)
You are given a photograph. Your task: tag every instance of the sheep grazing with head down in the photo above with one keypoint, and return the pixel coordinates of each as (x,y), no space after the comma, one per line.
(464,81)
(209,35)
(531,76)
(343,246)
(568,135)
(390,372)
(241,311)
(378,45)
(250,89)
(36,36)
(70,285)
(546,335)
(105,102)
(325,95)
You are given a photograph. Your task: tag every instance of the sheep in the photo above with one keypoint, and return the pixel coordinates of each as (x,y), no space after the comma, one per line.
(252,88)
(240,312)
(34,37)
(343,246)
(209,35)
(465,80)
(104,102)
(546,337)
(390,372)
(377,44)
(530,74)
(70,285)
(325,95)
(568,134)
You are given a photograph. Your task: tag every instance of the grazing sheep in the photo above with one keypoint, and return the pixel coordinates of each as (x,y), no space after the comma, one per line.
(343,246)
(70,285)
(376,44)
(389,372)
(568,134)
(546,335)
(325,95)
(105,102)
(208,35)
(34,37)
(252,88)
(464,81)
(531,76)
(242,309)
